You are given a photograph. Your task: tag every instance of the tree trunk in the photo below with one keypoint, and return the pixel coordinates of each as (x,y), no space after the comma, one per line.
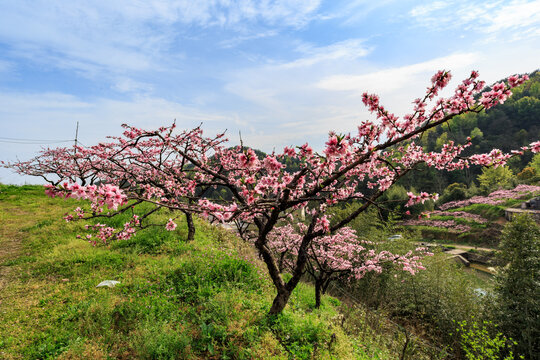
(191,226)
(284,290)
(279,302)
(281,262)
(318,291)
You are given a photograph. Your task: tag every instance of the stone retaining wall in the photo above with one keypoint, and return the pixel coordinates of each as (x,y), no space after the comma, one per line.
(509,213)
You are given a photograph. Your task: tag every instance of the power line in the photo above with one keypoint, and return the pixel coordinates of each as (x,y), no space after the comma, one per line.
(10,140)
(17,139)
(33,142)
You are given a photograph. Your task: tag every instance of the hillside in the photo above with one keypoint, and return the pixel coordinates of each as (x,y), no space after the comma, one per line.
(477,220)
(206,299)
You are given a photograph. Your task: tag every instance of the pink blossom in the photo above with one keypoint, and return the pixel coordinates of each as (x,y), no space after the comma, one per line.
(171,225)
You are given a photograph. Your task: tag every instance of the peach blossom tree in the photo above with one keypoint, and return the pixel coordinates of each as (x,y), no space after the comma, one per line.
(170,169)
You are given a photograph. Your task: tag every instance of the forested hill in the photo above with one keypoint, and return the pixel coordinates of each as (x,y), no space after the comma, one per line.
(506,127)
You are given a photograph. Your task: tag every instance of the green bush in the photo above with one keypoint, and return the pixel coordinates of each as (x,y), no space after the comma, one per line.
(526,174)
(453,192)
(47,346)
(494,178)
(478,344)
(490,212)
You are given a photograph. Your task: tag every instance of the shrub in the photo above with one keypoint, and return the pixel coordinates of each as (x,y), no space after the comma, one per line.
(527,173)
(455,191)
(477,343)
(494,178)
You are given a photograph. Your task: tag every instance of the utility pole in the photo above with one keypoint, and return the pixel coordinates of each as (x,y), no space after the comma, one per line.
(76,136)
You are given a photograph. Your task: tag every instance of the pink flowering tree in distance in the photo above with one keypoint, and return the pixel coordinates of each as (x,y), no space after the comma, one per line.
(57,165)
(341,255)
(99,172)
(170,169)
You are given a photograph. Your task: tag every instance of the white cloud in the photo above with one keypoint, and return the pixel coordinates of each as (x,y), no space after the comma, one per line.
(394,79)
(107,39)
(423,10)
(516,15)
(234,41)
(275,84)
(350,49)
(353,11)
(127,85)
(294,13)
(290,105)
(74,36)
(499,20)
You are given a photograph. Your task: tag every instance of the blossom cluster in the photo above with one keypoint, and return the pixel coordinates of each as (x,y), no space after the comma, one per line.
(495,198)
(342,252)
(105,233)
(104,195)
(447,224)
(415,199)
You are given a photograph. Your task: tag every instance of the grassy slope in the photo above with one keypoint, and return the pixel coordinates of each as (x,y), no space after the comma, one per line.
(200,300)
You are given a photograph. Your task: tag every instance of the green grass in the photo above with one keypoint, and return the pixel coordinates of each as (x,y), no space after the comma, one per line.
(205,299)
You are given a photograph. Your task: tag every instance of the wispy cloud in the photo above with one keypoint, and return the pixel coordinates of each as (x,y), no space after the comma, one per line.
(272,85)
(428,9)
(234,41)
(91,40)
(350,49)
(498,20)
(516,15)
(127,85)
(294,13)
(113,38)
(353,11)
(306,102)
(397,78)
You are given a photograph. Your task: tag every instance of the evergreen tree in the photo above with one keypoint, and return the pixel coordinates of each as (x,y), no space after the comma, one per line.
(518,285)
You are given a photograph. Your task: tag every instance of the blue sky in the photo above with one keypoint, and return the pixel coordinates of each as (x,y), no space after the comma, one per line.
(281,72)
